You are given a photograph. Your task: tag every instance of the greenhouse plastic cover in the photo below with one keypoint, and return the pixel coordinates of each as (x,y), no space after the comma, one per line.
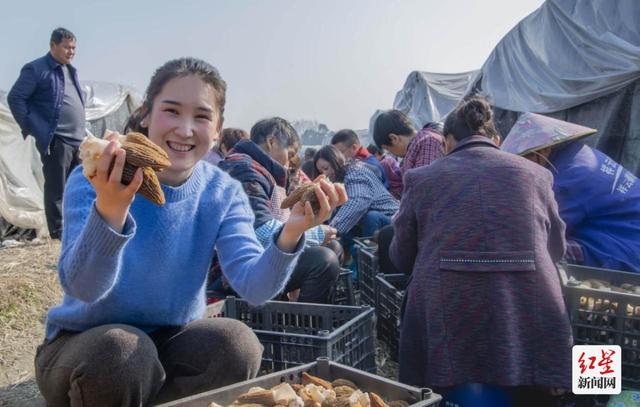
(577,61)
(427,97)
(21,179)
(566,53)
(574,60)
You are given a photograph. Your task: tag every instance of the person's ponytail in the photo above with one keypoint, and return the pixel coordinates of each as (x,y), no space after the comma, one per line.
(472,117)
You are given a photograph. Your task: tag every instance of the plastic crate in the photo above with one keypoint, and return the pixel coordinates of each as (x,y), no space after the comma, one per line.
(365,242)
(368,268)
(389,294)
(344,294)
(295,333)
(600,316)
(323,368)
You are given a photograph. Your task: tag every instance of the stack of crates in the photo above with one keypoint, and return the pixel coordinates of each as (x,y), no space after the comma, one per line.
(295,333)
(604,307)
(389,295)
(344,293)
(368,268)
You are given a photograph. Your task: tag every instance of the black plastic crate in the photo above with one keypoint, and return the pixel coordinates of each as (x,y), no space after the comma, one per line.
(323,368)
(365,242)
(389,294)
(605,316)
(295,333)
(344,294)
(368,268)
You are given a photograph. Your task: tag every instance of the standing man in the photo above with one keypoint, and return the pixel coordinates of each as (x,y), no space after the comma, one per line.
(47,103)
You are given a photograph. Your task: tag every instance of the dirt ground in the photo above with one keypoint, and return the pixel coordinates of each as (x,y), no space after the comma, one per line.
(28,287)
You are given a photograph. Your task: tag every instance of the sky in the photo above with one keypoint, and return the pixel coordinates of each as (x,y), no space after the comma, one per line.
(335,61)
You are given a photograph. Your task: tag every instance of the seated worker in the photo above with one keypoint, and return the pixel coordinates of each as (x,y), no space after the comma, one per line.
(260,164)
(370,205)
(348,143)
(296,177)
(394,132)
(598,199)
(391,169)
(307,164)
(129,330)
(480,231)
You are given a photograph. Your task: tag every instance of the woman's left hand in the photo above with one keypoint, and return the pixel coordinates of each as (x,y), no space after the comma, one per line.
(302,218)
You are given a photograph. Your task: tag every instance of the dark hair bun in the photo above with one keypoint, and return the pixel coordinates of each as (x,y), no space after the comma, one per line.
(476,112)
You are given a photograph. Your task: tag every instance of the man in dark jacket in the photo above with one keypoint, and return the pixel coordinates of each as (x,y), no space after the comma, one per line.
(47,103)
(260,165)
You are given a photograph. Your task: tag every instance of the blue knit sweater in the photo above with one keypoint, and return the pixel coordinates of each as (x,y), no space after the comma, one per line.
(153,274)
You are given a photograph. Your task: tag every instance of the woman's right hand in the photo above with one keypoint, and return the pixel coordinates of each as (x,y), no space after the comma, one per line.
(113,198)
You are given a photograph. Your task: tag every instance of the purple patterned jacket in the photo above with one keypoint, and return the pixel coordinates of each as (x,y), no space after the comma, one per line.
(480,231)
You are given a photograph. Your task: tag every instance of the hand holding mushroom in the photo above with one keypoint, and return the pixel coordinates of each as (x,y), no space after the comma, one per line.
(118,167)
(311,205)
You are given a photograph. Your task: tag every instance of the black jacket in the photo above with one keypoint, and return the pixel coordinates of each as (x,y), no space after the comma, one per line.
(258,173)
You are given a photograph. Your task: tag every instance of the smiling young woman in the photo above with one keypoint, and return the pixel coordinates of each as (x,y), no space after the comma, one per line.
(129,330)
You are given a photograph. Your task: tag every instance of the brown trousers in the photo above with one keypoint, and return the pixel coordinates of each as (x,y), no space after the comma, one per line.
(119,365)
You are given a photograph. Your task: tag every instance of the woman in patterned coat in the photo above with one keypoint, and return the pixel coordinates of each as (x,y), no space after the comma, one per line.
(480,231)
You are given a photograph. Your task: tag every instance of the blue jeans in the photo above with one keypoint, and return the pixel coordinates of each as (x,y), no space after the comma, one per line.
(371,222)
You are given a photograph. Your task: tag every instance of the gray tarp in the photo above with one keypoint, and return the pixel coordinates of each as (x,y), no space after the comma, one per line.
(575,60)
(566,53)
(21,180)
(427,96)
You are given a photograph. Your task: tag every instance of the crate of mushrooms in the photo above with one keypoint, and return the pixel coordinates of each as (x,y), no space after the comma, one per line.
(319,384)
(604,307)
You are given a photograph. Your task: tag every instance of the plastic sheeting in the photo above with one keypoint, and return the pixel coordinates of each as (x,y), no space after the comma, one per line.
(615,116)
(574,60)
(108,105)
(566,53)
(427,97)
(21,178)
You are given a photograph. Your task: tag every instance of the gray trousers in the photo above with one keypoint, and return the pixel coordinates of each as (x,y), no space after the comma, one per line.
(119,365)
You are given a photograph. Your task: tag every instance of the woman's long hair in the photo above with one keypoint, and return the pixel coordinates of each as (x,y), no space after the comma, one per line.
(335,159)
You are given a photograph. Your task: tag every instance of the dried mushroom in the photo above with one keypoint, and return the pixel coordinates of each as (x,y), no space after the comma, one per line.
(312,392)
(140,153)
(306,192)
